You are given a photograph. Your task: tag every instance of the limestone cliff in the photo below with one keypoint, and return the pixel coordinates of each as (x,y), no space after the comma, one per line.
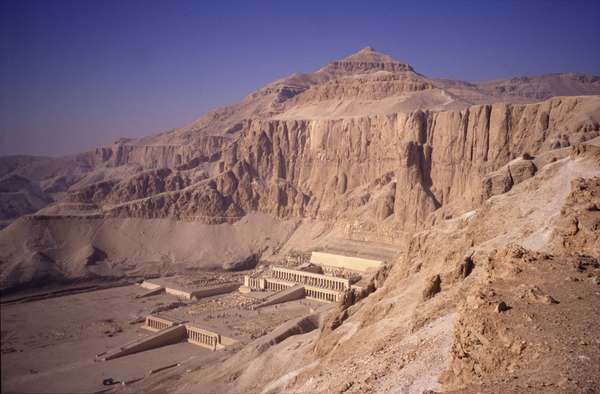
(326,168)
(366,117)
(366,144)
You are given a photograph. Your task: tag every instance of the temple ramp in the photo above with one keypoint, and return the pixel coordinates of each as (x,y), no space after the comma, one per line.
(289,294)
(152,292)
(165,337)
(214,290)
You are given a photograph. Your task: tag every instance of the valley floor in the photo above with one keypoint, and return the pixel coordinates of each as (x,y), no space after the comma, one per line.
(49,345)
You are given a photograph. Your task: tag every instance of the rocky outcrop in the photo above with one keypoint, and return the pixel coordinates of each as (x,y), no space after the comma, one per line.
(521,169)
(367,60)
(503,179)
(373,87)
(432,287)
(544,86)
(145,184)
(578,228)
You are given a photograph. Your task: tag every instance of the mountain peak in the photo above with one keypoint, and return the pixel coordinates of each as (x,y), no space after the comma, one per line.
(368,60)
(367,49)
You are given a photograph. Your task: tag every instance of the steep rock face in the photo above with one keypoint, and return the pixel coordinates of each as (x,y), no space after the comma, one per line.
(371,86)
(317,168)
(205,148)
(124,171)
(357,89)
(434,157)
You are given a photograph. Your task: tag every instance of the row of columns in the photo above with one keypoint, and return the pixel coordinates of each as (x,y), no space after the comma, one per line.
(199,337)
(310,280)
(321,295)
(276,286)
(156,324)
(254,283)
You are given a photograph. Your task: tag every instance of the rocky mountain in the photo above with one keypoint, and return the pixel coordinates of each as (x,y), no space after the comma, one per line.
(489,191)
(365,138)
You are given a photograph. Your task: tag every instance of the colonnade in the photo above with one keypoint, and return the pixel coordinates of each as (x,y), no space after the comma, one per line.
(156,323)
(253,283)
(201,337)
(276,286)
(311,279)
(321,295)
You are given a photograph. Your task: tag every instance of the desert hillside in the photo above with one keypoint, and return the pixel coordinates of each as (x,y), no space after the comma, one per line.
(482,199)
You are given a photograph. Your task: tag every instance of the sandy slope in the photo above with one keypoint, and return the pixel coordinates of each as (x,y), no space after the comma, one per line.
(62,247)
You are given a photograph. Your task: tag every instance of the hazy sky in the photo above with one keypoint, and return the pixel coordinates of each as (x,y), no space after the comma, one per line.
(78,74)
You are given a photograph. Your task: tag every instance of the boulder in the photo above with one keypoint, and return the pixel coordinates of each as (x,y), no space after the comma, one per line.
(521,170)
(496,182)
(432,287)
(502,307)
(385,207)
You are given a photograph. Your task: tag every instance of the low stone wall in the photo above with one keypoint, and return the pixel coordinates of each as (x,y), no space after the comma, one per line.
(188,294)
(179,293)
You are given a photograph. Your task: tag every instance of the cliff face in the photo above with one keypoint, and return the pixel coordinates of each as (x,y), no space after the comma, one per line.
(398,167)
(204,148)
(373,87)
(364,134)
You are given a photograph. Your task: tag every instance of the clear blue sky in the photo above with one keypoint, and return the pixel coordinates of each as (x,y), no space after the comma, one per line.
(78,74)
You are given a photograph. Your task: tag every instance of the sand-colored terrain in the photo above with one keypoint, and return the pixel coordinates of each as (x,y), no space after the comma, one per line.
(481,200)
